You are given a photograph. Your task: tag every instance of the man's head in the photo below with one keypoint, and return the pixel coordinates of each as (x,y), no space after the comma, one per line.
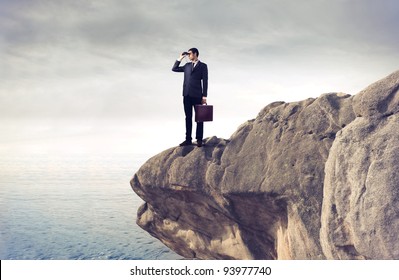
(193,54)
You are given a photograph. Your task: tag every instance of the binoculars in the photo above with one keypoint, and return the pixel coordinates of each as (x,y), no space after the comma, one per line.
(185,53)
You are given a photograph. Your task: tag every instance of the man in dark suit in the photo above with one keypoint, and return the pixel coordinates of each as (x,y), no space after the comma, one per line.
(195,91)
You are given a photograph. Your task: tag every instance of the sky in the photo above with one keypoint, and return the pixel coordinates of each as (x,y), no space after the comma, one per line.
(89,76)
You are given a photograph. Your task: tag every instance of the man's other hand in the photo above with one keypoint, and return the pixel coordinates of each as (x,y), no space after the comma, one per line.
(203,100)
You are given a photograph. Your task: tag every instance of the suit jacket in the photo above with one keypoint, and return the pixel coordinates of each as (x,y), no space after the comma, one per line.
(192,78)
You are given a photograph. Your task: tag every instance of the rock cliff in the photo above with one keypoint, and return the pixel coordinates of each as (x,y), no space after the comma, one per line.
(315,179)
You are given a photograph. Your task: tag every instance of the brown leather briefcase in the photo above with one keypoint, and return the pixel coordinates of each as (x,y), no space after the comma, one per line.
(203,113)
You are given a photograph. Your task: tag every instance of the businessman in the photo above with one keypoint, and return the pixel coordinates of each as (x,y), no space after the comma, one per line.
(195,91)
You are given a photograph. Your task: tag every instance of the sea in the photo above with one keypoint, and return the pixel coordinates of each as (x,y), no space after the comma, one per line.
(73,207)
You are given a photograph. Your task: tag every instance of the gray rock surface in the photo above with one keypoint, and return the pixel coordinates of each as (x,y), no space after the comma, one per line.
(360,217)
(313,179)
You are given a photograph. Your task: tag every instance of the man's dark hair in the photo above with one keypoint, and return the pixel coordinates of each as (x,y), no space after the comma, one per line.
(194,50)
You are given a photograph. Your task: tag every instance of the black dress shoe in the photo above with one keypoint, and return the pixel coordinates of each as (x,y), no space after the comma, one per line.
(199,143)
(185,143)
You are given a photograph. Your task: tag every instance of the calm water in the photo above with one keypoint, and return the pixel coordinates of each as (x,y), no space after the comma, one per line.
(72,207)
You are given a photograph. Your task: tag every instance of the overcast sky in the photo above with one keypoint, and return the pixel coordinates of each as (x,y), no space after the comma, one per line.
(108,62)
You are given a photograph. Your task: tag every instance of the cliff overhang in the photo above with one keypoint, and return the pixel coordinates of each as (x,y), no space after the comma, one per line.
(315,179)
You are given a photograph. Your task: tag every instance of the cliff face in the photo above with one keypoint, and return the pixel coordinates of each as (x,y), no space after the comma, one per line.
(313,179)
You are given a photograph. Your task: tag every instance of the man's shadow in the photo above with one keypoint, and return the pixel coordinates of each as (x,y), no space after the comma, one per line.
(206,148)
(185,150)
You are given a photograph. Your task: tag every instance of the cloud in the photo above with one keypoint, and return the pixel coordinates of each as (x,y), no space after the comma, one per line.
(108,59)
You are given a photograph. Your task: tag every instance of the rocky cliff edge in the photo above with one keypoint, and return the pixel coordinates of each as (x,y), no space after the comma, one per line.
(315,179)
